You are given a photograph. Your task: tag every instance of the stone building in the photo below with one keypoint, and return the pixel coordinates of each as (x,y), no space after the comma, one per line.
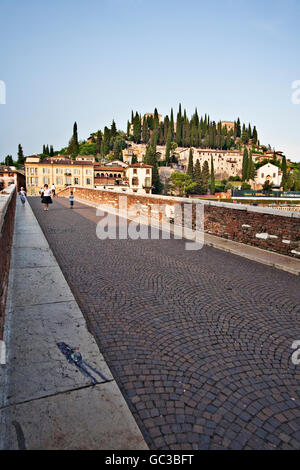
(60,172)
(10,175)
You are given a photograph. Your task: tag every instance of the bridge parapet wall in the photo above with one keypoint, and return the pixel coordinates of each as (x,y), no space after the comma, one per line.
(266,228)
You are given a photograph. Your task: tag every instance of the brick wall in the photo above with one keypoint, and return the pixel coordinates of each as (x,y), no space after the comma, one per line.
(7,214)
(265,228)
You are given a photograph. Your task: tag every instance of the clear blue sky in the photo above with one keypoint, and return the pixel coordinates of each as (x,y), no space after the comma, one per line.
(95,60)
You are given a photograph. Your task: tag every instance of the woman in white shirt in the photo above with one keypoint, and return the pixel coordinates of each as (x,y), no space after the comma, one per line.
(22,194)
(46,199)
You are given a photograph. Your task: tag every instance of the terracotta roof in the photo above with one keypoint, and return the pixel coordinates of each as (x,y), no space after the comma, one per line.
(139,165)
(108,168)
(63,162)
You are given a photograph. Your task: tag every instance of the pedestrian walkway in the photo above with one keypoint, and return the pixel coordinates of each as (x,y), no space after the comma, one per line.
(45,401)
(199,342)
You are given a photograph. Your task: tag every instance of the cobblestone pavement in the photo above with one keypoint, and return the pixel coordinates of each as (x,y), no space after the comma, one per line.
(198,341)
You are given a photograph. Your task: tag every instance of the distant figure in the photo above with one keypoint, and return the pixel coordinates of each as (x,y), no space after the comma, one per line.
(46,198)
(53,188)
(71,199)
(22,194)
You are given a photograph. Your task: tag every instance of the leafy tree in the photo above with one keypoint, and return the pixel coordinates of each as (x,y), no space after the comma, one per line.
(134,159)
(268,185)
(8,160)
(183,183)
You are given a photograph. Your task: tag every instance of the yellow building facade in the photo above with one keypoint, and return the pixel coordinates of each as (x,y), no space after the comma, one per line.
(59,172)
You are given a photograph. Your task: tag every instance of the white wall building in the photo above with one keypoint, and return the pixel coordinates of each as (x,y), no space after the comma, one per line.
(270,173)
(139,178)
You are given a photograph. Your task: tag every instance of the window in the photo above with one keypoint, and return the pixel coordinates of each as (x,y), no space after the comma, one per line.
(45,180)
(135,171)
(68,180)
(45,171)
(88,172)
(262,175)
(32,171)
(76,180)
(88,181)
(147,171)
(76,171)
(147,182)
(59,180)
(135,181)
(58,171)
(274,175)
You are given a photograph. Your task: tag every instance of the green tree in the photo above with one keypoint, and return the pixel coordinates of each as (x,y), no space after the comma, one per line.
(198,178)
(134,159)
(205,177)
(245,165)
(137,129)
(212,177)
(8,160)
(190,168)
(98,142)
(183,183)
(284,180)
(21,158)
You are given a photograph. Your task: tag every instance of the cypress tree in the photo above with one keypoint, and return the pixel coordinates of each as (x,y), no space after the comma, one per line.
(145,131)
(198,178)
(98,142)
(21,157)
(284,180)
(106,141)
(51,151)
(205,176)
(251,168)
(168,145)
(245,165)
(254,136)
(75,139)
(179,127)
(190,168)
(172,124)
(238,128)
(113,129)
(128,128)
(212,176)
(137,129)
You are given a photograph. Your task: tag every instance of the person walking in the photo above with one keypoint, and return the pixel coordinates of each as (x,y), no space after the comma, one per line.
(46,199)
(71,199)
(22,194)
(53,188)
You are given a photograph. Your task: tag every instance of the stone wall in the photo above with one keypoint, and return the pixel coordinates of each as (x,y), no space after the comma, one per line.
(266,228)
(7,215)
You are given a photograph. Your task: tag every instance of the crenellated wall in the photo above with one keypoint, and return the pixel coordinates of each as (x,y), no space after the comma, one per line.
(266,228)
